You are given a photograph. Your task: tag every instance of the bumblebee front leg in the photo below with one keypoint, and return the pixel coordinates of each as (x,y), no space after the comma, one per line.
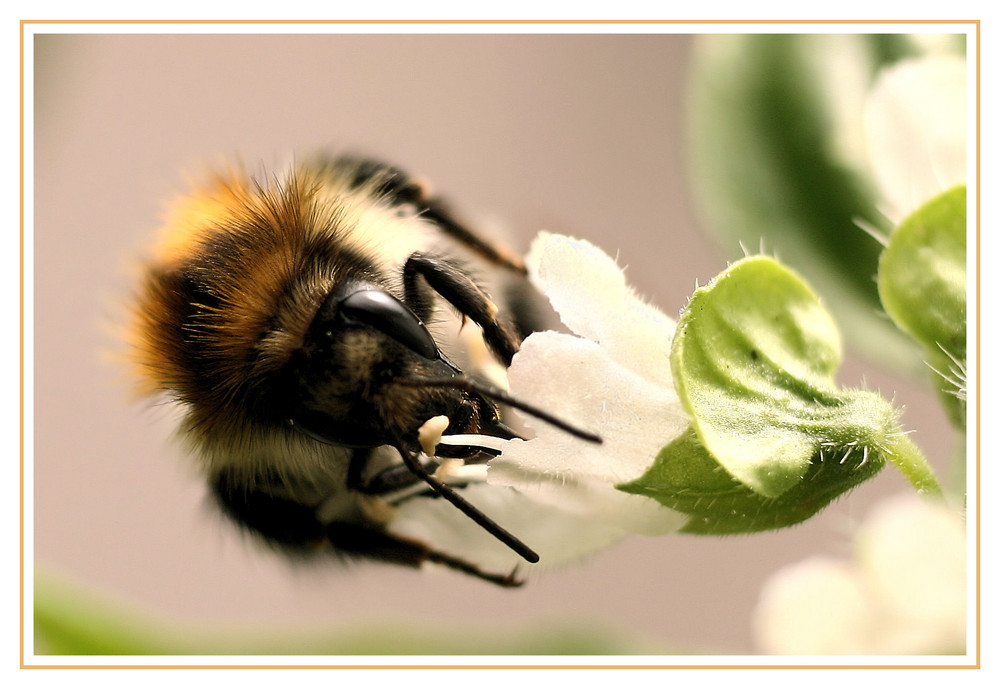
(465,295)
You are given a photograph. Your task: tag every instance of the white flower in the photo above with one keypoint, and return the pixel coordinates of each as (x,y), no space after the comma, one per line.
(914,129)
(612,378)
(555,491)
(903,593)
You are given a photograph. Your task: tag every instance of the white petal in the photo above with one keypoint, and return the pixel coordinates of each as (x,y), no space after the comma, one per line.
(915,131)
(576,380)
(589,292)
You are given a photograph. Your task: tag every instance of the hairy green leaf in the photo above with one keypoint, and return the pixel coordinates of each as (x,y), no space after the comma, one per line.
(922,283)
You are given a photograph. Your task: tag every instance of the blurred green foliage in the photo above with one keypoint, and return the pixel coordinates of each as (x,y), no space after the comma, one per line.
(770,166)
(70,620)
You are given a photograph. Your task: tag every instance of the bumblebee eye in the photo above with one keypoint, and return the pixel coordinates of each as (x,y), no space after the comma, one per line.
(385,313)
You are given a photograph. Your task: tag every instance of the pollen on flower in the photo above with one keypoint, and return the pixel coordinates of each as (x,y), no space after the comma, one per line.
(429,434)
(449,467)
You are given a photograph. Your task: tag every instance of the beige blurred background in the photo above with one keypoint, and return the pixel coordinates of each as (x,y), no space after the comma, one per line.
(580,134)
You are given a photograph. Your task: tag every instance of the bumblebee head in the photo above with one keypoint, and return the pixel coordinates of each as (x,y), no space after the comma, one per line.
(354,381)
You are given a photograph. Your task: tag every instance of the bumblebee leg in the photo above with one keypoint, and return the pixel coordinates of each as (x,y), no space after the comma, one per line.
(389,480)
(403,189)
(397,482)
(437,210)
(365,541)
(465,295)
(296,527)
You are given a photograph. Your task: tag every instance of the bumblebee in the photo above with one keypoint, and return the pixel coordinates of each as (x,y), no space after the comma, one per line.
(291,319)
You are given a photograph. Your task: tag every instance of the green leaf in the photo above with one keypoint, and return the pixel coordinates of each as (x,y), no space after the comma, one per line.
(773,439)
(772,121)
(753,361)
(922,283)
(686,478)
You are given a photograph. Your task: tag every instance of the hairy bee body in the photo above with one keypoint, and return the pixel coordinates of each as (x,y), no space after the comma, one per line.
(292,321)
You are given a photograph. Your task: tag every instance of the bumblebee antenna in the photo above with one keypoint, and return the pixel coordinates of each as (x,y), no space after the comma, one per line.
(448,493)
(470,510)
(497,395)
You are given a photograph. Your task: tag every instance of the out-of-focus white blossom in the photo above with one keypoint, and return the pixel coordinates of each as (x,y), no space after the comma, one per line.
(915,131)
(904,592)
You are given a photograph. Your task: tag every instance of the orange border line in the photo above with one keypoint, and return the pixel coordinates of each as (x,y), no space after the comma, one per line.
(976,22)
(500,667)
(21,345)
(979,358)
